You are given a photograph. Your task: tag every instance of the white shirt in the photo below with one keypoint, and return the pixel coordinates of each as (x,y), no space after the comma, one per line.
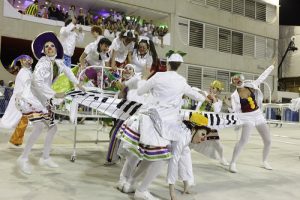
(140,62)
(92,57)
(120,49)
(68,39)
(167,90)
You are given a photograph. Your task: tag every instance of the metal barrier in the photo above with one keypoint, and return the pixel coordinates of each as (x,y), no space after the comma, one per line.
(5,95)
(281,114)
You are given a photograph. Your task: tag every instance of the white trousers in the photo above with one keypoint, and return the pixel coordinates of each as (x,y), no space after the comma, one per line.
(180,165)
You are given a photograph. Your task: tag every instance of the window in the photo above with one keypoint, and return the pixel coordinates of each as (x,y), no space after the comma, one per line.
(211,37)
(224,40)
(249,44)
(238,7)
(260,44)
(196,34)
(261,11)
(195,76)
(237,43)
(209,75)
(214,3)
(270,13)
(223,76)
(226,5)
(250,9)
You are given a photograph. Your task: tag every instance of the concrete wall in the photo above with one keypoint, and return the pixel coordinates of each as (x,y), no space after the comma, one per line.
(291,64)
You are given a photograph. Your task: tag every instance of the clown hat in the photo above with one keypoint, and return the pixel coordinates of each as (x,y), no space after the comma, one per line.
(38,43)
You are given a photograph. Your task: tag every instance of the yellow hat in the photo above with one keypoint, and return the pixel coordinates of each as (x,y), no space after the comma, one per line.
(198,119)
(217,84)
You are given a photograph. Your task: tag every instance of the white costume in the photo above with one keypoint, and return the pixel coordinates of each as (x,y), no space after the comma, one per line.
(120,49)
(92,57)
(13,115)
(141,62)
(251,119)
(33,102)
(68,39)
(167,101)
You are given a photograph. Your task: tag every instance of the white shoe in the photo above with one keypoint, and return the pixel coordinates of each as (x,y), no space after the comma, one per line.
(232,168)
(144,196)
(13,146)
(121,184)
(24,165)
(128,188)
(224,162)
(48,162)
(267,165)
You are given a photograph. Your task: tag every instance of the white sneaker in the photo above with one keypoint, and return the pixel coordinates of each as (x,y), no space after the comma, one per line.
(267,165)
(48,162)
(232,168)
(128,188)
(121,184)
(224,162)
(24,165)
(144,196)
(13,146)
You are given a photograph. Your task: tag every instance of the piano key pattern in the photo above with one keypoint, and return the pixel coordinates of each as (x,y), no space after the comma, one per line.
(123,109)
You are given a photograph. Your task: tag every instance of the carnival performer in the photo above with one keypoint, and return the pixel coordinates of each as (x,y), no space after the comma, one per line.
(37,98)
(68,37)
(212,148)
(147,142)
(122,48)
(12,117)
(95,55)
(143,55)
(127,90)
(247,101)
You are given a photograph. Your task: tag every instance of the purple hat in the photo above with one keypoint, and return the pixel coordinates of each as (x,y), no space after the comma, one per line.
(38,43)
(14,62)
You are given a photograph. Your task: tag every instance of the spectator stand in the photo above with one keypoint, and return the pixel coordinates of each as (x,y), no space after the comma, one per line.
(157,34)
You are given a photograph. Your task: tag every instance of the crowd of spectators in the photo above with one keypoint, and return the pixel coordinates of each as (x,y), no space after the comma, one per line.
(113,23)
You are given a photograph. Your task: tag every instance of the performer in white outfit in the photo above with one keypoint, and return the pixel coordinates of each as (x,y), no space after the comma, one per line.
(247,101)
(68,38)
(121,49)
(212,148)
(145,141)
(12,117)
(143,55)
(96,53)
(36,100)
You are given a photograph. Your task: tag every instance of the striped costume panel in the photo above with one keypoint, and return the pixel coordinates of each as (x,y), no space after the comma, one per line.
(147,152)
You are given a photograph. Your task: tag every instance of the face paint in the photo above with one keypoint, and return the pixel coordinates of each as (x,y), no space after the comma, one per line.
(128,72)
(49,49)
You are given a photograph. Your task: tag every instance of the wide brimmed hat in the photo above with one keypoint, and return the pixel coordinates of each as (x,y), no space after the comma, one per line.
(17,59)
(38,43)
